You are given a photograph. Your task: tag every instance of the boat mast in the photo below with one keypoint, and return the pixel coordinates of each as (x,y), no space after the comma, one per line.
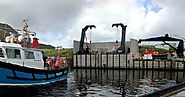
(27,39)
(25,27)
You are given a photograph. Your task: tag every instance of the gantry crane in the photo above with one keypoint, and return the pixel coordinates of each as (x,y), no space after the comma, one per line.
(81,49)
(121,49)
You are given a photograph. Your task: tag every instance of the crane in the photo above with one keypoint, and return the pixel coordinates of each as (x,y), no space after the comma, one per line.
(179,50)
(121,49)
(81,49)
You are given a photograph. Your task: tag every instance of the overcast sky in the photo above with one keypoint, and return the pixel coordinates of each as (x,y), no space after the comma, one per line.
(59,22)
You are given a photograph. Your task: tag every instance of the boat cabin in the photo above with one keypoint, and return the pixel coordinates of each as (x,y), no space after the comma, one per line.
(16,54)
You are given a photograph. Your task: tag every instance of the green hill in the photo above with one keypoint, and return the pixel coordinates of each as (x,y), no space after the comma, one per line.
(68,53)
(45,46)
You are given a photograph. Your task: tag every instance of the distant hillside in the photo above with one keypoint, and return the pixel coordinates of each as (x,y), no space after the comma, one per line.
(68,52)
(5,29)
(45,46)
(159,50)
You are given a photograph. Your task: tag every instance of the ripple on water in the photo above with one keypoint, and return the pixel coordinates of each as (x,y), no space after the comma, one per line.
(97,83)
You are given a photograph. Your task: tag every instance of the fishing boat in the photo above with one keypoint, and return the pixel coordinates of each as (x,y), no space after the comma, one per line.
(21,65)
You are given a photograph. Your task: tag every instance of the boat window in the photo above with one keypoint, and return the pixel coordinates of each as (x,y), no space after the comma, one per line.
(1,53)
(13,53)
(29,55)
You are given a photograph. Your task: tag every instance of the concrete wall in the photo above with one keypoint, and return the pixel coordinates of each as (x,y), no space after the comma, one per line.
(100,60)
(103,47)
(122,61)
(134,48)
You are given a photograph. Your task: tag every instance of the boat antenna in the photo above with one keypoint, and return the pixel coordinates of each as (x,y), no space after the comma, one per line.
(26,41)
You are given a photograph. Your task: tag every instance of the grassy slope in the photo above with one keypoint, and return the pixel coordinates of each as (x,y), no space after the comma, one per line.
(160,51)
(68,53)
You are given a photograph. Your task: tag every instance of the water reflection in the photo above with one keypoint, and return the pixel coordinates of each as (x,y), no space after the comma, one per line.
(101,82)
(50,90)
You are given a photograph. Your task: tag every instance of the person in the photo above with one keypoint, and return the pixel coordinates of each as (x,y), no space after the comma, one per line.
(62,61)
(61,58)
(57,64)
(49,62)
(168,55)
(12,38)
(53,59)
(45,60)
(146,51)
(7,39)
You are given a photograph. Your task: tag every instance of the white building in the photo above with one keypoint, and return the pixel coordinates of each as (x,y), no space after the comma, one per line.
(103,47)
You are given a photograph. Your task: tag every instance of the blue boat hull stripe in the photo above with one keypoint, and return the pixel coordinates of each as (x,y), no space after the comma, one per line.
(12,74)
(22,78)
(27,69)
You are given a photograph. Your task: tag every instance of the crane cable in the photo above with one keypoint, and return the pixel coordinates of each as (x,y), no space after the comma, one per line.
(117,30)
(117,36)
(86,39)
(90,46)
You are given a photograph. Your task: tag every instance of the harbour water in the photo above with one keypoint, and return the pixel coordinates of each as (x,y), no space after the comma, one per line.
(101,83)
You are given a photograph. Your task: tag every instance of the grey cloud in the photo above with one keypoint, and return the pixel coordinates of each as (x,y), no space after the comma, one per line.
(171,19)
(51,16)
(60,19)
